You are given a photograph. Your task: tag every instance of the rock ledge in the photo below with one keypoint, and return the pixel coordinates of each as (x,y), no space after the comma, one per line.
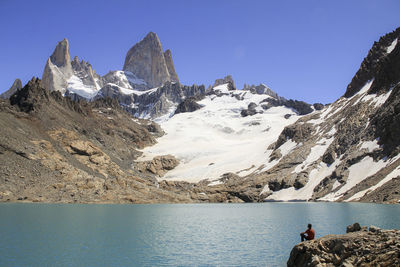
(373,247)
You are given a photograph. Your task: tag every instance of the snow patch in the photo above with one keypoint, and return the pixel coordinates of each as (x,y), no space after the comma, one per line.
(316,152)
(390,176)
(305,193)
(377,101)
(391,47)
(370,145)
(357,173)
(75,85)
(216,182)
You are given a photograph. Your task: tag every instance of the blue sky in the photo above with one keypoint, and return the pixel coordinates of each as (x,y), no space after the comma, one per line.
(305,50)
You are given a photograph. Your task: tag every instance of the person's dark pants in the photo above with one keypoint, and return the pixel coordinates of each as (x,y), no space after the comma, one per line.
(304,237)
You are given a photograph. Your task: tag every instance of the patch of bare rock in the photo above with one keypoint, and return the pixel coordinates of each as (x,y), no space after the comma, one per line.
(360,246)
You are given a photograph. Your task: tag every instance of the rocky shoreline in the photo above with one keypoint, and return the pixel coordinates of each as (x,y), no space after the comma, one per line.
(360,246)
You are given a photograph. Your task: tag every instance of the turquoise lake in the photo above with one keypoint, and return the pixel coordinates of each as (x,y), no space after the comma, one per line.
(261,234)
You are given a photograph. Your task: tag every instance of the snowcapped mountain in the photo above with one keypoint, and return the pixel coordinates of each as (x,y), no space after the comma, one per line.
(148,86)
(224,144)
(345,151)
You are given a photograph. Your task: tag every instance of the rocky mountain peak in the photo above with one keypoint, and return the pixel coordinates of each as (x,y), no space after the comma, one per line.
(147,61)
(227,79)
(170,66)
(31,97)
(60,56)
(58,68)
(17,85)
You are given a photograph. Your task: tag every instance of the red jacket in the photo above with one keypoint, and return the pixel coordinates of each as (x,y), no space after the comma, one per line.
(310,234)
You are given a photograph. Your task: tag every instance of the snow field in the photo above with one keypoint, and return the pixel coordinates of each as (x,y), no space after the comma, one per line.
(216,139)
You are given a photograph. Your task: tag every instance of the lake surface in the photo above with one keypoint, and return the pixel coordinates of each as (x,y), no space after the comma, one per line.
(260,234)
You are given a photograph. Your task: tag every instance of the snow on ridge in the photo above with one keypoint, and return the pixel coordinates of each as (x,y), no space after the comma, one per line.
(391,47)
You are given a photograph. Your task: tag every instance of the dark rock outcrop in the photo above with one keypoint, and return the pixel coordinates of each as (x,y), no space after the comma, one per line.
(250,111)
(318,106)
(301,107)
(227,79)
(296,132)
(188,105)
(260,89)
(31,97)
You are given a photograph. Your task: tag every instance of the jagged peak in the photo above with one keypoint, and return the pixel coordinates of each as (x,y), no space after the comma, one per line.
(170,65)
(75,59)
(227,79)
(61,56)
(148,62)
(151,35)
(17,85)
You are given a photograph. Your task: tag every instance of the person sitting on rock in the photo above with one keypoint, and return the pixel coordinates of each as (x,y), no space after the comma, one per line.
(308,234)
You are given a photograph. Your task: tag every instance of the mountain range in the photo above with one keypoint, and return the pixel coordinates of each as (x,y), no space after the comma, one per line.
(138,135)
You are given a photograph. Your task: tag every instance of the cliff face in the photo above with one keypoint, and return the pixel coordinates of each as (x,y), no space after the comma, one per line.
(147,61)
(58,68)
(170,66)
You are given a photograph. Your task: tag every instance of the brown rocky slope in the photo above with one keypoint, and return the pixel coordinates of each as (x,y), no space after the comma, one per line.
(53,149)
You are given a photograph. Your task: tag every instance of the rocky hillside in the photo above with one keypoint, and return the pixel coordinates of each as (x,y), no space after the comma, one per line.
(359,247)
(350,148)
(53,149)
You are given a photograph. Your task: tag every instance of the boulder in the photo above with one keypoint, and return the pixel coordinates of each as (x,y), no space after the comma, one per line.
(158,165)
(353,228)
